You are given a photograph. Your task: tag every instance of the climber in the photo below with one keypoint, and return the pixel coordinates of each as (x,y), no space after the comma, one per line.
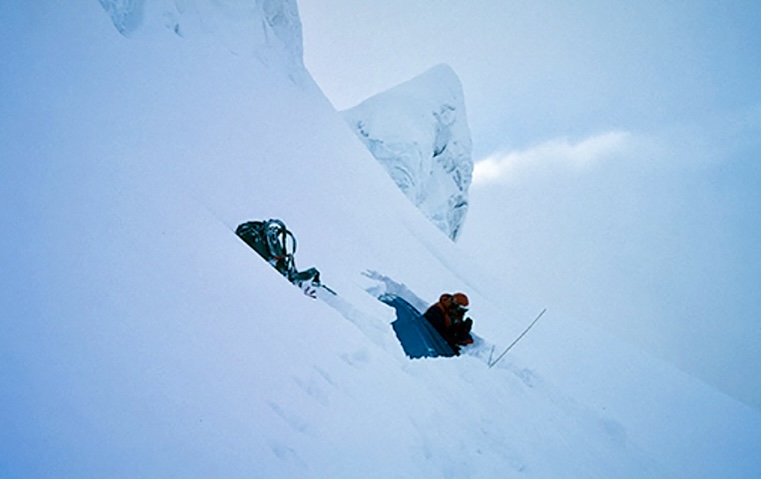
(448,318)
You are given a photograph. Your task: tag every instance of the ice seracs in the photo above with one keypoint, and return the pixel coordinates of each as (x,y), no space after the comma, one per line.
(419,132)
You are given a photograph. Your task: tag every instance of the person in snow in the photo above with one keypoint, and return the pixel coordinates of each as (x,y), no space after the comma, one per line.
(448,318)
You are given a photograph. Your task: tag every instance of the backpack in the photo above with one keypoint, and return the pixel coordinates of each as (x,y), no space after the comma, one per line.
(272,240)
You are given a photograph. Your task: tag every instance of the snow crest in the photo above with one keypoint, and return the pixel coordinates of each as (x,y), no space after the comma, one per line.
(127,15)
(258,27)
(419,132)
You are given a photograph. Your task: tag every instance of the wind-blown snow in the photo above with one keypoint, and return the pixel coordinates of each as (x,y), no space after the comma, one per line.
(419,132)
(141,338)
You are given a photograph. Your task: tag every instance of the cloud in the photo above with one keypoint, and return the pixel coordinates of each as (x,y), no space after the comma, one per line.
(502,166)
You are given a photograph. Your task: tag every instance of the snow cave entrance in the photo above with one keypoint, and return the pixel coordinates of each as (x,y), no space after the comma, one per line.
(417,336)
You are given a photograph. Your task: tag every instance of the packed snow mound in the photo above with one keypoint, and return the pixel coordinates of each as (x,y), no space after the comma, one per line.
(419,132)
(258,27)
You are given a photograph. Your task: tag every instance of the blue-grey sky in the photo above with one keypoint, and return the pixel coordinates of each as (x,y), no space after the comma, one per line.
(533,71)
(618,150)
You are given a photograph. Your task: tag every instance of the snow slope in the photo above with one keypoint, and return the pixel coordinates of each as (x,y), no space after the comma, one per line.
(419,132)
(141,338)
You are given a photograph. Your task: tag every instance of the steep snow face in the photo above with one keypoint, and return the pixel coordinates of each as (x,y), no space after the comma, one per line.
(264,28)
(139,337)
(419,132)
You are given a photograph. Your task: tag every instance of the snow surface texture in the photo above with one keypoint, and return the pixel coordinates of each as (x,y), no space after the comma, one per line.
(140,337)
(419,132)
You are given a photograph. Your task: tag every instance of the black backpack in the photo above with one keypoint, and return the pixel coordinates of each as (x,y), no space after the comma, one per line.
(272,240)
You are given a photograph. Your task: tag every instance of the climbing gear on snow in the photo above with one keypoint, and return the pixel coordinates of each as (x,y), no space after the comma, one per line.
(272,240)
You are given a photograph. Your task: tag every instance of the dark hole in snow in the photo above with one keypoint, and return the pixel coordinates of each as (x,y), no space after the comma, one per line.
(417,336)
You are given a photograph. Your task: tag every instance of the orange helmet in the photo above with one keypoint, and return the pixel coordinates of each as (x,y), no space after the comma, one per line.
(461,300)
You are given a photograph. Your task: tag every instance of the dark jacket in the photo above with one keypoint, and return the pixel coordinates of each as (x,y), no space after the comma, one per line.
(454,331)
(438,319)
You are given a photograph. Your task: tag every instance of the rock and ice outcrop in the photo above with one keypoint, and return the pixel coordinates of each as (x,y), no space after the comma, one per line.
(419,132)
(267,29)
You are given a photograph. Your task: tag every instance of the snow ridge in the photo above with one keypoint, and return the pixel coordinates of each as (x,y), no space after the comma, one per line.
(127,15)
(419,132)
(266,29)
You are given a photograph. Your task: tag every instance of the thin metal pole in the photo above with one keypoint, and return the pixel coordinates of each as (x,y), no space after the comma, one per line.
(518,338)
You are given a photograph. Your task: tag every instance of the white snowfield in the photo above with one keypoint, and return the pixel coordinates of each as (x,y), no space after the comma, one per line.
(141,338)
